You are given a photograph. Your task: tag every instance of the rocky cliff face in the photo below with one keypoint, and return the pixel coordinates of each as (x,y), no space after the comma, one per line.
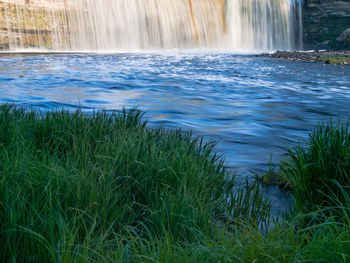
(29,23)
(324,21)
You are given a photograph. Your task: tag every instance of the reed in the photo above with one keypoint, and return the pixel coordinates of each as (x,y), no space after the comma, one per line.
(102,187)
(70,181)
(320,169)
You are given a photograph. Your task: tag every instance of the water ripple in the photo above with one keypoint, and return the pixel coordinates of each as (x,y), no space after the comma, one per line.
(254,107)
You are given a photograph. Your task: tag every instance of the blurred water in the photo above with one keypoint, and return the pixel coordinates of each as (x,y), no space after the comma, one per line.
(149,24)
(253,107)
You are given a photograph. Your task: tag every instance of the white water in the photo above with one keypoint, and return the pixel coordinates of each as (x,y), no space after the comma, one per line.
(76,25)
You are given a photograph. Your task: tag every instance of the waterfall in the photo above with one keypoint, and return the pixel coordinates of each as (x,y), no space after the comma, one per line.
(265,24)
(79,25)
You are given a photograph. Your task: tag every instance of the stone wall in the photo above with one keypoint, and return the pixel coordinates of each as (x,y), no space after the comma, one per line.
(324,21)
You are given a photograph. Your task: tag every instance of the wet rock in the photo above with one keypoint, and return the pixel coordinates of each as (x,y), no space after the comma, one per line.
(4,46)
(345,37)
(327,57)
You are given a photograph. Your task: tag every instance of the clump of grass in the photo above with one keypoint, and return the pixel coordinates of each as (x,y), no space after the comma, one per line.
(72,181)
(335,60)
(274,177)
(105,188)
(315,171)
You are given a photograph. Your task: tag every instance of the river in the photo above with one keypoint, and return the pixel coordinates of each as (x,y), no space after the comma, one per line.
(253,107)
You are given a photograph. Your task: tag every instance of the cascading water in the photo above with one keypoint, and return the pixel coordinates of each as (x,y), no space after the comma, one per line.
(264,24)
(242,25)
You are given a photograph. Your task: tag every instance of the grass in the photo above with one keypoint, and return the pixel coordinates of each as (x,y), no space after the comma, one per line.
(335,59)
(105,188)
(321,168)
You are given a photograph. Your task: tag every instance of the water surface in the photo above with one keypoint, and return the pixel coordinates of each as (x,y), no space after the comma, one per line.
(253,107)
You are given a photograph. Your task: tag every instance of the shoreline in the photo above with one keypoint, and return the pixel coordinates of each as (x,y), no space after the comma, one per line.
(327,57)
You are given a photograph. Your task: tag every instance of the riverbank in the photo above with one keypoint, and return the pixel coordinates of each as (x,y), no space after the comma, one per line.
(327,57)
(104,187)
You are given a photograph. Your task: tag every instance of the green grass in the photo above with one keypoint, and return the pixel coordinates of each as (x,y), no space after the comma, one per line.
(320,169)
(105,188)
(335,60)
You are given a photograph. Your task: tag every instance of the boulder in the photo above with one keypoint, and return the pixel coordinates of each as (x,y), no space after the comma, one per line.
(345,37)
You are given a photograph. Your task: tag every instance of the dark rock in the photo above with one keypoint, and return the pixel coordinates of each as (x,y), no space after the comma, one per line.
(345,37)
(323,22)
(4,46)
(327,57)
